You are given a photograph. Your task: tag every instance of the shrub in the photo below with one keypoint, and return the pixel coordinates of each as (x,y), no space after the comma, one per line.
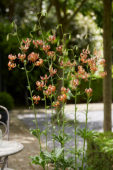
(100,152)
(6,100)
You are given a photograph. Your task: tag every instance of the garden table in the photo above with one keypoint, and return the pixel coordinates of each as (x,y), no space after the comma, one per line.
(8,148)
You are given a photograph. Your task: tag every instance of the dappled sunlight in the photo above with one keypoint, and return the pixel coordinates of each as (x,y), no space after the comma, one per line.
(23,139)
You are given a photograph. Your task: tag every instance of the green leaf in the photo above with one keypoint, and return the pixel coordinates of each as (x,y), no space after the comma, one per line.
(35,28)
(69,36)
(47,154)
(7,37)
(31,35)
(35,132)
(12,24)
(44,14)
(14,34)
(29,98)
(28,87)
(58,26)
(58,152)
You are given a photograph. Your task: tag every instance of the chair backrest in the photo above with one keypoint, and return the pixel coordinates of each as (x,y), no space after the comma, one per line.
(4,121)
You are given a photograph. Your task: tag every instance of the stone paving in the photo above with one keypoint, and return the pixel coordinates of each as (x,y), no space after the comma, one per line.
(95,115)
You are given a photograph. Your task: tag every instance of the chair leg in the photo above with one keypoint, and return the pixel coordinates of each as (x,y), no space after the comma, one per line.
(4,163)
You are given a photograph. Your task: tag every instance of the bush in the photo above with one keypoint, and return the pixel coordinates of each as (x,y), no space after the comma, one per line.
(100,152)
(6,100)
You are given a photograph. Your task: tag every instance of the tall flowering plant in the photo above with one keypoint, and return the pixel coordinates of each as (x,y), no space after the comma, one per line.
(49,54)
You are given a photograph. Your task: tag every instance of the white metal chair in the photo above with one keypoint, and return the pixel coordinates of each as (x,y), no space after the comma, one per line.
(4,121)
(4,125)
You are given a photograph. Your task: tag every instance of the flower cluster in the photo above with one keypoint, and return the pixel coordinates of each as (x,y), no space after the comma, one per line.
(37,43)
(93,62)
(81,74)
(12,57)
(21,57)
(36,99)
(46,48)
(75,83)
(84,55)
(89,92)
(63,96)
(25,45)
(40,85)
(52,71)
(45,78)
(64,90)
(59,49)
(39,62)
(52,38)
(11,63)
(81,68)
(51,53)
(33,57)
(50,90)
(56,104)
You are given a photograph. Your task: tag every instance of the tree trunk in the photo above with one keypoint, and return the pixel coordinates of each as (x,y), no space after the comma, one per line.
(107,83)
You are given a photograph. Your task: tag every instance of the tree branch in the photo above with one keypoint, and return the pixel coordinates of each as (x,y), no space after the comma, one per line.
(77,10)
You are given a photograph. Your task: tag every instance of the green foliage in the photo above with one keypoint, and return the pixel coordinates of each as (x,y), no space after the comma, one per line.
(40,160)
(55,157)
(35,132)
(86,133)
(62,139)
(95,10)
(100,151)
(6,100)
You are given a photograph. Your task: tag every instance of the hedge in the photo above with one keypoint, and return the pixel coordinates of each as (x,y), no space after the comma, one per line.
(6,100)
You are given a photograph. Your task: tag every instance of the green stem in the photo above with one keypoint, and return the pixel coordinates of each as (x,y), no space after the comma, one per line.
(88,100)
(46,119)
(46,123)
(52,113)
(63,129)
(52,123)
(33,107)
(63,113)
(75,131)
(85,133)
(29,88)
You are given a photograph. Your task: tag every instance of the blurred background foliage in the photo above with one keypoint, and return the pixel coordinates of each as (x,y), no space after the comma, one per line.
(81,18)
